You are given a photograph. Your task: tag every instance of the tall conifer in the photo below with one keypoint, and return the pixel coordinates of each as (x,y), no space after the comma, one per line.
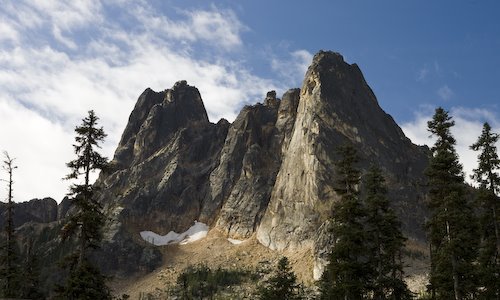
(486,175)
(452,229)
(282,285)
(85,280)
(385,239)
(346,275)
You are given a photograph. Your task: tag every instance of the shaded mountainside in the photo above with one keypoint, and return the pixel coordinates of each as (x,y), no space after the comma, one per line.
(36,210)
(268,174)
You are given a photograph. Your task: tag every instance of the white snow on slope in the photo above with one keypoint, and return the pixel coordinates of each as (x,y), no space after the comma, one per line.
(197,231)
(235,241)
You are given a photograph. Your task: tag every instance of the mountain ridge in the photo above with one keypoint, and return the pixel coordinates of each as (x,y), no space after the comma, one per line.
(269,174)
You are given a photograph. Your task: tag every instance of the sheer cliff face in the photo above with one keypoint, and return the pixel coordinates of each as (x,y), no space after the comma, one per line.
(337,106)
(159,175)
(270,172)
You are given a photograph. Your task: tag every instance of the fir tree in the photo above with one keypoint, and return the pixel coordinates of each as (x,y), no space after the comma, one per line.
(31,275)
(385,239)
(9,269)
(346,275)
(282,285)
(452,229)
(488,202)
(85,280)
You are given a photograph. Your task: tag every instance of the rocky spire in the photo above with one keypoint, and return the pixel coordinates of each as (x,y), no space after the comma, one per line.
(156,116)
(337,106)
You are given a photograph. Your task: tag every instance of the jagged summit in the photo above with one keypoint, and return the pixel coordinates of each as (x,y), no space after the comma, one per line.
(337,106)
(155,118)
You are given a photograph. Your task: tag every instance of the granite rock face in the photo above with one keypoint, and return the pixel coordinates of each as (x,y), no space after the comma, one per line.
(252,156)
(160,173)
(337,106)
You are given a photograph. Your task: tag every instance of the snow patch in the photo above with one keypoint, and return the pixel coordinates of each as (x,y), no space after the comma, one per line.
(196,232)
(235,241)
(319,268)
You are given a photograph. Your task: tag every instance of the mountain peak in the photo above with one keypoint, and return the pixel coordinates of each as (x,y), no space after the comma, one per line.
(155,118)
(327,56)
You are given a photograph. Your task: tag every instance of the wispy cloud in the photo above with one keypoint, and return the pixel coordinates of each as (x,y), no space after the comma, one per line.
(46,87)
(468,126)
(429,70)
(293,67)
(445,93)
(8,33)
(219,28)
(422,74)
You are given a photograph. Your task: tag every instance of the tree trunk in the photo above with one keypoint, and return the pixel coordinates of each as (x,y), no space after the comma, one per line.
(433,290)
(456,284)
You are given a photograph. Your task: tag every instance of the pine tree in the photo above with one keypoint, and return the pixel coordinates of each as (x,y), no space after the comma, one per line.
(282,285)
(9,269)
(30,287)
(452,229)
(385,239)
(486,175)
(85,280)
(346,275)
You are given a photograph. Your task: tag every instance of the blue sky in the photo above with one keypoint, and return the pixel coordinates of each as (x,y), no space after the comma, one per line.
(59,59)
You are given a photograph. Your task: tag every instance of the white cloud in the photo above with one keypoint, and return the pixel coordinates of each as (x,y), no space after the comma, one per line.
(45,90)
(8,33)
(41,148)
(293,68)
(445,93)
(220,26)
(217,27)
(468,127)
(61,18)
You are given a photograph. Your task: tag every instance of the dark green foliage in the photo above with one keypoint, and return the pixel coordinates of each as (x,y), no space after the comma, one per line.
(347,273)
(487,202)
(9,257)
(385,241)
(201,282)
(452,227)
(88,219)
(282,285)
(85,281)
(30,285)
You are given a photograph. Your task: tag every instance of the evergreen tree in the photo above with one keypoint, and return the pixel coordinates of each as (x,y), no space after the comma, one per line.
(487,176)
(282,285)
(85,280)
(385,239)
(347,273)
(452,229)
(9,269)
(30,287)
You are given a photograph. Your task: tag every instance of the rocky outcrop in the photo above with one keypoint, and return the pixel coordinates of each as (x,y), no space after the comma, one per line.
(251,157)
(36,210)
(160,172)
(249,162)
